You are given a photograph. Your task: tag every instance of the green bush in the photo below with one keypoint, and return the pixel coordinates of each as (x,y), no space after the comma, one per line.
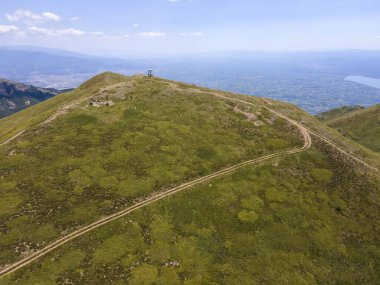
(276,144)
(9,203)
(248,216)
(206,152)
(144,275)
(132,114)
(252,203)
(321,174)
(274,195)
(82,120)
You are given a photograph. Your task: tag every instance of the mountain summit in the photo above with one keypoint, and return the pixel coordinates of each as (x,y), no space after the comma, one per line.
(137,180)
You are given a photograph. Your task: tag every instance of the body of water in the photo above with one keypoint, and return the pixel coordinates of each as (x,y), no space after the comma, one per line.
(372,82)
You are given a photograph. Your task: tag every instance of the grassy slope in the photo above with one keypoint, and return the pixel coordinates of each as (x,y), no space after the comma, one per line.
(362,126)
(307,219)
(11,125)
(338,112)
(92,161)
(339,139)
(292,223)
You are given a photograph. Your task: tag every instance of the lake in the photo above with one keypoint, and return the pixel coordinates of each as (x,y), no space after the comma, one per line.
(373,82)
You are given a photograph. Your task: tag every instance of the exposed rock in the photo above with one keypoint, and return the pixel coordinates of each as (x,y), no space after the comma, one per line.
(249,116)
(100,103)
(270,121)
(11,105)
(172,264)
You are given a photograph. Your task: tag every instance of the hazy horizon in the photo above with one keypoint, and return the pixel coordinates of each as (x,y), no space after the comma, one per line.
(129,54)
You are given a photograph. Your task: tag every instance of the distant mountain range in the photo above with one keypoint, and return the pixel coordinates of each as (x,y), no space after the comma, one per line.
(55,68)
(314,81)
(15,96)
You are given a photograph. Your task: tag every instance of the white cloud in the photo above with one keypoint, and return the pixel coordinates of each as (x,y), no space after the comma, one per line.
(152,34)
(7,29)
(115,38)
(74,19)
(56,32)
(71,32)
(20,14)
(135,25)
(96,33)
(122,37)
(104,36)
(51,16)
(30,18)
(194,34)
(37,30)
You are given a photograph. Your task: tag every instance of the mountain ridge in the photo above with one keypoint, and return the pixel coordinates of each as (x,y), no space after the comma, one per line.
(117,143)
(58,69)
(16,96)
(338,112)
(359,124)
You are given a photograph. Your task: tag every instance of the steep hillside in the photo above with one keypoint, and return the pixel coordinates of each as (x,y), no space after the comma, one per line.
(360,125)
(16,96)
(338,112)
(135,180)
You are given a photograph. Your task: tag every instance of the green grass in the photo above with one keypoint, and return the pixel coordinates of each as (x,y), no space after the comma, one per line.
(261,225)
(362,126)
(307,218)
(366,126)
(321,175)
(338,112)
(15,123)
(93,161)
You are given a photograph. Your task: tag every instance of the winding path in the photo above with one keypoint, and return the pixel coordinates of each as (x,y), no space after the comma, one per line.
(158,196)
(303,129)
(12,138)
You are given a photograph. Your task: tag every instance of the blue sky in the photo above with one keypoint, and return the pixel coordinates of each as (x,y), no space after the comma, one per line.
(117,27)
